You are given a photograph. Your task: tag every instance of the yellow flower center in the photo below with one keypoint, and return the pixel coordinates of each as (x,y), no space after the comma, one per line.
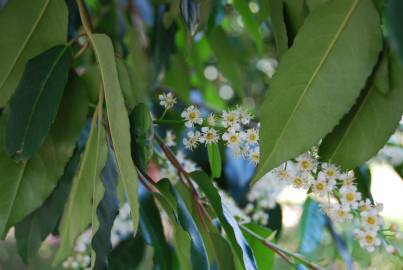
(369,239)
(231,118)
(210,136)
(320,186)
(252,137)
(341,213)
(233,138)
(350,197)
(371,220)
(192,115)
(330,173)
(297,182)
(305,164)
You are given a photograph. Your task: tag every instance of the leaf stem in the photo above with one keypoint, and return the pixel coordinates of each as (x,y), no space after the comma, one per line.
(85,16)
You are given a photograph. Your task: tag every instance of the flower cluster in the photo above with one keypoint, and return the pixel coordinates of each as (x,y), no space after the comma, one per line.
(338,196)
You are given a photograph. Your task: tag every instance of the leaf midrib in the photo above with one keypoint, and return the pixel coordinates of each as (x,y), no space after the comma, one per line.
(42,88)
(24,44)
(316,71)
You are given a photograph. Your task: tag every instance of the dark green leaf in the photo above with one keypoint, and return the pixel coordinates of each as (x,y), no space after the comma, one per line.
(31,231)
(363,175)
(264,256)
(27,29)
(214,158)
(294,13)
(107,211)
(177,77)
(130,92)
(354,141)
(34,104)
(234,234)
(142,133)
(223,254)
(25,186)
(128,254)
(191,14)
(311,229)
(382,78)
(395,22)
(329,48)
(276,11)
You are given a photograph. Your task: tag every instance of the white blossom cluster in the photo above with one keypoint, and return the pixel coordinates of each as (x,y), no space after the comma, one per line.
(232,127)
(338,195)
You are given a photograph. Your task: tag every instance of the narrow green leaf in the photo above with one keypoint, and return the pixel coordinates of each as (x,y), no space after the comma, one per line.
(264,256)
(294,13)
(34,105)
(363,175)
(190,10)
(214,159)
(118,120)
(382,79)
(25,186)
(330,48)
(354,141)
(86,192)
(129,90)
(234,234)
(27,29)
(250,22)
(32,231)
(276,11)
(223,254)
(394,23)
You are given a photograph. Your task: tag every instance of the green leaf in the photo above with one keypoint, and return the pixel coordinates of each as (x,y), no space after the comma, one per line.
(118,120)
(238,243)
(199,260)
(34,105)
(214,159)
(394,24)
(106,213)
(191,14)
(122,256)
(31,231)
(86,192)
(354,141)
(312,225)
(25,186)
(250,22)
(294,13)
(130,92)
(223,254)
(363,175)
(276,11)
(177,77)
(142,132)
(305,102)
(382,79)
(27,29)
(264,256)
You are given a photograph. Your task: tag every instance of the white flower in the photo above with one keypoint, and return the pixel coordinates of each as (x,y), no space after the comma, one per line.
(282,174)
(306,162)
(340,213)
(209,135)
(231,119)
(301,180)
(321,186)
(191,116)
(330,171)
(365,205)
(232,138)
(170,138)
(244,116)
(252,136)
(167,100)
(239,151)
(350,196)
(371,220)
(390,249)
(192,140)
(211,119)
(254,156)
(368,239)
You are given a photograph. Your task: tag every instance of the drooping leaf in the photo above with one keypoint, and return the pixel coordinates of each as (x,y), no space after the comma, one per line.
(142,132)
(152,229)
(191,14)
(35,103)
(199,260)
(130,91)
(264,256)
(242,251)
(32,230)
(27,29)
(118,120)
(312,225)
(122,256)
(86,192)
(354,141)
(394,23)
(223,254)
(250,22)
(294,13)
(363,175)
(25,186)
(276,11)
(214,158)
(106,212)
(301,106)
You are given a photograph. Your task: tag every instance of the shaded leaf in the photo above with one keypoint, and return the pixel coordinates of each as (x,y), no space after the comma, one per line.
(35,103)
(234,234)
(394,23)
(118,120)
(223,254)
(34,26)
(294,13)
(86,192)
(123,256)
(363,175)
(214,159)
(191,14)
(354,141)
(25,186)
(276,11)
(312,225)
(130,92)
(329,48)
